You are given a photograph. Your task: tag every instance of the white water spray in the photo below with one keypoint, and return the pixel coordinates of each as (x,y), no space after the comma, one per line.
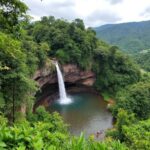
(62,91)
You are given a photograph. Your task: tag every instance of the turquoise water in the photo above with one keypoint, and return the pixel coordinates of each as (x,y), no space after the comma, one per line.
(87,113)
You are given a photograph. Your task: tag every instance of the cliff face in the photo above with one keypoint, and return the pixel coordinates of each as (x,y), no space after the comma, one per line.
(72,74)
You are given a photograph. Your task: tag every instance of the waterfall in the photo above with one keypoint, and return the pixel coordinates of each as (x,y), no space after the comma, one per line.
(62,91)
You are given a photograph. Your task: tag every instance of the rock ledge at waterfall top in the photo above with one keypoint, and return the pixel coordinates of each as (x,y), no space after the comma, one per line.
(72,74)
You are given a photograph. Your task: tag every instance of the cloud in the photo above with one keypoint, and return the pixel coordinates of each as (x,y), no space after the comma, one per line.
(115,1)
(72,9)
(64,4)
(93,12)
(146,12)
(102,17)
(63,9)
(57,8)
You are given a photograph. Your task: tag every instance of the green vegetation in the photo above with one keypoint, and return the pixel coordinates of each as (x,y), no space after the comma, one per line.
(69,42)
(48,132)
(106,96)
(114,69)
(15,83)
(138,135)
(26,47)
(135,99)
(130,37)
(132,106)
(12,16)
(143,59)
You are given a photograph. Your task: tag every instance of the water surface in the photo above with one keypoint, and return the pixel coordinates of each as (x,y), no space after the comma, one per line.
(87,113)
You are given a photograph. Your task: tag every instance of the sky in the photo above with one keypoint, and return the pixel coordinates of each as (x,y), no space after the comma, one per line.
(93,12)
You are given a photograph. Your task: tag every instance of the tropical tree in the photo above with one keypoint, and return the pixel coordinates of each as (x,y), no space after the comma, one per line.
(135,99)
(12,13)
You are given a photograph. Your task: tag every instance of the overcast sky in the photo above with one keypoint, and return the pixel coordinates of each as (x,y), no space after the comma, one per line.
(93,12)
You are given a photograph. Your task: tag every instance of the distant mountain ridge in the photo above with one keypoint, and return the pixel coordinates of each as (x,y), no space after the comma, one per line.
(131,37)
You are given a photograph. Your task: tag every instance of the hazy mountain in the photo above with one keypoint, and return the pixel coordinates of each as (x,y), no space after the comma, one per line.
(131,37)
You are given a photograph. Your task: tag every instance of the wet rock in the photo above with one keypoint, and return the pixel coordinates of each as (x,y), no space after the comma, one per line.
(72,74)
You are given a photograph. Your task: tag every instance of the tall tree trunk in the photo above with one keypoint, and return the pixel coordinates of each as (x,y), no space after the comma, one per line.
(13,99)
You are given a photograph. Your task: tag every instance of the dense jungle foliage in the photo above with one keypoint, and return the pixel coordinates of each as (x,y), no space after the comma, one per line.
(133,38)
(27,46)
(143,59)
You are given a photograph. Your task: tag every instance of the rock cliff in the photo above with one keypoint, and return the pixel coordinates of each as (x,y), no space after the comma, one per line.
(72,74)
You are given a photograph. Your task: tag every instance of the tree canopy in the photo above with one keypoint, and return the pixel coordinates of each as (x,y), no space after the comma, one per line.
(135,99)
(12,13)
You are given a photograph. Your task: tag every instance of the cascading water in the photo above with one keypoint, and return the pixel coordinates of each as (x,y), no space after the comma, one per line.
(62,91)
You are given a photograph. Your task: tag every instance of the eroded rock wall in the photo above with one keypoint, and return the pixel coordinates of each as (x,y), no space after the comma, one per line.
(72,74)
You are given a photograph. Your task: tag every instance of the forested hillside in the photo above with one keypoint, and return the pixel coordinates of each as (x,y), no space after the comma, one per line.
(26,46)
(130,37)
(143,59)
